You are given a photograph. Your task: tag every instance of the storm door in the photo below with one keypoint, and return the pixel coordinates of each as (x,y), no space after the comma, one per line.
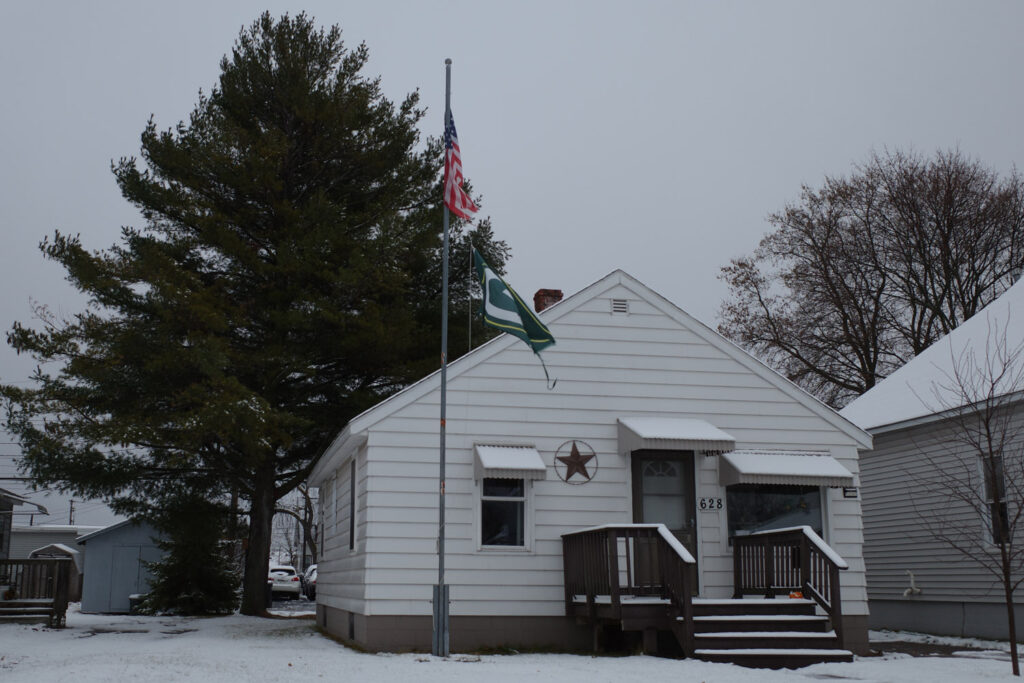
(663,493)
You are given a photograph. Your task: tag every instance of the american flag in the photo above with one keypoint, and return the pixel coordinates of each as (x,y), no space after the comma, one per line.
(454,196)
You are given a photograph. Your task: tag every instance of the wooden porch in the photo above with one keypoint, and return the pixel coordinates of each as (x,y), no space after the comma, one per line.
(34,591)
(640,578)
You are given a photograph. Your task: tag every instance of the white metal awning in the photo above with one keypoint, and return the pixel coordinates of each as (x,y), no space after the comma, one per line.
(782,467)
(671,433)
(508,462)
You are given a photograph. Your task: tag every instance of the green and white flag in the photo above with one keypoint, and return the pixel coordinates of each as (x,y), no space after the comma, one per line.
(502,308)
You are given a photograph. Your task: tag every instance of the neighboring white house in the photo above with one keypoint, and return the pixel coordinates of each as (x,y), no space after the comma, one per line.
(916,416)
(654,418)
(25,538)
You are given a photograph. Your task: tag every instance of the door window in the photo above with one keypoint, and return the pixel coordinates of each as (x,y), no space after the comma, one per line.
(663,493)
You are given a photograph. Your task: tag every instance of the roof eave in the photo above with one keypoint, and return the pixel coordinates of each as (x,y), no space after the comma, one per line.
(340,449)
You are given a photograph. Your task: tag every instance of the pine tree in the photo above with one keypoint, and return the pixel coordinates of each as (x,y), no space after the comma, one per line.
(197,573)
(284,280)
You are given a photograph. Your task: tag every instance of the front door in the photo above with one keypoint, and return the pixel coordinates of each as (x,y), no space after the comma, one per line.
(663,493)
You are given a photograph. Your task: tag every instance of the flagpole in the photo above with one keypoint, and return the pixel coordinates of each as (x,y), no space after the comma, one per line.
(439,646)
(469,298)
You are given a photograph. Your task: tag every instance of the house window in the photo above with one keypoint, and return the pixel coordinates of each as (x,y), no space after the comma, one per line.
(761,507)
(352,506)
(503,512)
(995,498)
(322,499)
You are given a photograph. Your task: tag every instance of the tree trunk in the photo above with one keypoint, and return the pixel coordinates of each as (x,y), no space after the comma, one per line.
(308,527)
(257,554)
(233,519)
(1010,616)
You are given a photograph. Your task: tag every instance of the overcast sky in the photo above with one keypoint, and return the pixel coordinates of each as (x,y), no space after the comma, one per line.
(649,136)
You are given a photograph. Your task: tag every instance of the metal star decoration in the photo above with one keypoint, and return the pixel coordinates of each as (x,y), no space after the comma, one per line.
(575,463)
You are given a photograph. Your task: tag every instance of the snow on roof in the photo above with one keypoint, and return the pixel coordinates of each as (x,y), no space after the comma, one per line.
(56,528)
(783,467)
(106,530)
(925,385)
(674,428)
(684,433)
(517,462)
(58,549)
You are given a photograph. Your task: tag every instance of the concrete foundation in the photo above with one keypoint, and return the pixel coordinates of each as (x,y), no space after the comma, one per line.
(470,634)
(949,618)
(855,634)
(413,633)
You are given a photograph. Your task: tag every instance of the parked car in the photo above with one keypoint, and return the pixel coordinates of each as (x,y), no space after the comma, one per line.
(285,580)
(309,582)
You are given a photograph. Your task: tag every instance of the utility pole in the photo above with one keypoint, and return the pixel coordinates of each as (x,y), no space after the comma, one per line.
(71,512)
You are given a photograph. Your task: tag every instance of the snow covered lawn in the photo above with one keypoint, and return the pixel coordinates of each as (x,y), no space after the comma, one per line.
(117,648)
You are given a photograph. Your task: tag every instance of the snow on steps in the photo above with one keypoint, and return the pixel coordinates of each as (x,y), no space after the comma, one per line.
(764,633)
(26,611)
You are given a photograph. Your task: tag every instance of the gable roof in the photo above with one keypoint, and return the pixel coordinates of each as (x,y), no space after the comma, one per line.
(354,433)
(18,499)
(925,385)
(81,540)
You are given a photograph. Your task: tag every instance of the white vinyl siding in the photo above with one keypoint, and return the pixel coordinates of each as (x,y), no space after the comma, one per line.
(649,362)
(341,571)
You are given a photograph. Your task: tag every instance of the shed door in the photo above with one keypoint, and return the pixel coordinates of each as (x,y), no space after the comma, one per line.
(663,493)
(124,576)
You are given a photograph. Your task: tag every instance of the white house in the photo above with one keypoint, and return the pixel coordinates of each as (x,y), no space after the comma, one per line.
(25,538)
(919,417)
(655,418)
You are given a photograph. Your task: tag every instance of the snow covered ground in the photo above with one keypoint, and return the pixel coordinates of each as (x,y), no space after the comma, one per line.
(117,648)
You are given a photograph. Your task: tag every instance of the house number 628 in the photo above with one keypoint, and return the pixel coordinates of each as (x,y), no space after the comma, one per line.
(710,503)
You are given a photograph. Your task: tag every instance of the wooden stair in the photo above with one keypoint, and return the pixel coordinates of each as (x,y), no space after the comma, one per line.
(29,611)
(765,633)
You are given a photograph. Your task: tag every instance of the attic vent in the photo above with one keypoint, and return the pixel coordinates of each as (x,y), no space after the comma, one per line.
(620,306)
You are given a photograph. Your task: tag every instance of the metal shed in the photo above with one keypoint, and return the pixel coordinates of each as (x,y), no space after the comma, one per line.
(115,565)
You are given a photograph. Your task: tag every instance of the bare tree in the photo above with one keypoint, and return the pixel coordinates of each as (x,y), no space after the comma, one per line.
(301,511)
(864,273)
(979,467)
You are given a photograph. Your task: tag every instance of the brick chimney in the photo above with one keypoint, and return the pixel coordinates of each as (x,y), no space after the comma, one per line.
(546,297)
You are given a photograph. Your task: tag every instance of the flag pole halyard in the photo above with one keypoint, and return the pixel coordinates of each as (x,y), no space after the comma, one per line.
(439,646)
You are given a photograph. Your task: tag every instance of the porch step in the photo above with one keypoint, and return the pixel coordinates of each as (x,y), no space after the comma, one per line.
(744,606)
(38,609)
(774,658)
(780,633)
(808,623)
(730,640)
(32,611)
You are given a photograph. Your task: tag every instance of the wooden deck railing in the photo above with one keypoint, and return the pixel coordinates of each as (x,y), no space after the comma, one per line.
(36,582)
(628,560)
(786,560)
